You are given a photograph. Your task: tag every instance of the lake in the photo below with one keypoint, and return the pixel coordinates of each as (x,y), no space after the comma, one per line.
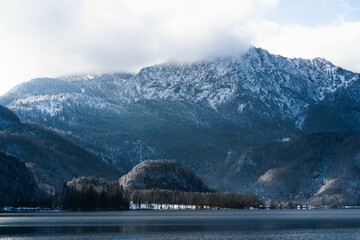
(208,224)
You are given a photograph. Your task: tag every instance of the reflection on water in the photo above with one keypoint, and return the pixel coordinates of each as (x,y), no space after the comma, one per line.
(222,224)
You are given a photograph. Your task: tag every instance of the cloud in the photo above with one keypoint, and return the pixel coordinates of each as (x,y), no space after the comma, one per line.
(49,38)
(134,33)
(336,42)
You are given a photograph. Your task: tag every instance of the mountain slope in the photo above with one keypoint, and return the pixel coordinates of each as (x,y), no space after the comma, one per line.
(339,112)
(297,169)
(17,183)
(52,158)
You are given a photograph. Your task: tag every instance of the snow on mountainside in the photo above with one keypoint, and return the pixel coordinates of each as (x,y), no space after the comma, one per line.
(288,83)
(271,78)
(253,85)
(216,81)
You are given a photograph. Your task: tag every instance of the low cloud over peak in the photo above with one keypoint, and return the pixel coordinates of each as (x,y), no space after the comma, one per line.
(50,38)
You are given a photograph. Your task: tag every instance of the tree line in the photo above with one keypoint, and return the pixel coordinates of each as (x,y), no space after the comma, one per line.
(89,199)
(198,199)
(89,193)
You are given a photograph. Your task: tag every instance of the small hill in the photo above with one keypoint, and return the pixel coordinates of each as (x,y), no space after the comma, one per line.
(162,174)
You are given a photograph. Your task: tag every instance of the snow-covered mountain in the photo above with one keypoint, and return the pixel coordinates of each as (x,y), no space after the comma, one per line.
(194,113)
(273,79)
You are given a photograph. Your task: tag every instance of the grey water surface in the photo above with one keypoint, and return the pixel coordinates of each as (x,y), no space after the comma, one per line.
(210,224)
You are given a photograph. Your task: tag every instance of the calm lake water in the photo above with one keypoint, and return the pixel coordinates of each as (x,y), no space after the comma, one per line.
(212,224)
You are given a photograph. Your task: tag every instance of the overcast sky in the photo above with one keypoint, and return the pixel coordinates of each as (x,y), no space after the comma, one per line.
(41,38)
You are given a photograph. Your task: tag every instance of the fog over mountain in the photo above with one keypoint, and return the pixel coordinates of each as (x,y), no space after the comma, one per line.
(279,127)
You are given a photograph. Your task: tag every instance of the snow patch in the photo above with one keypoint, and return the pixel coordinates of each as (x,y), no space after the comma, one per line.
(331,186)
(157,206)
(300,122)
(47,104)
(89,77)
(241,107)
(222,96)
